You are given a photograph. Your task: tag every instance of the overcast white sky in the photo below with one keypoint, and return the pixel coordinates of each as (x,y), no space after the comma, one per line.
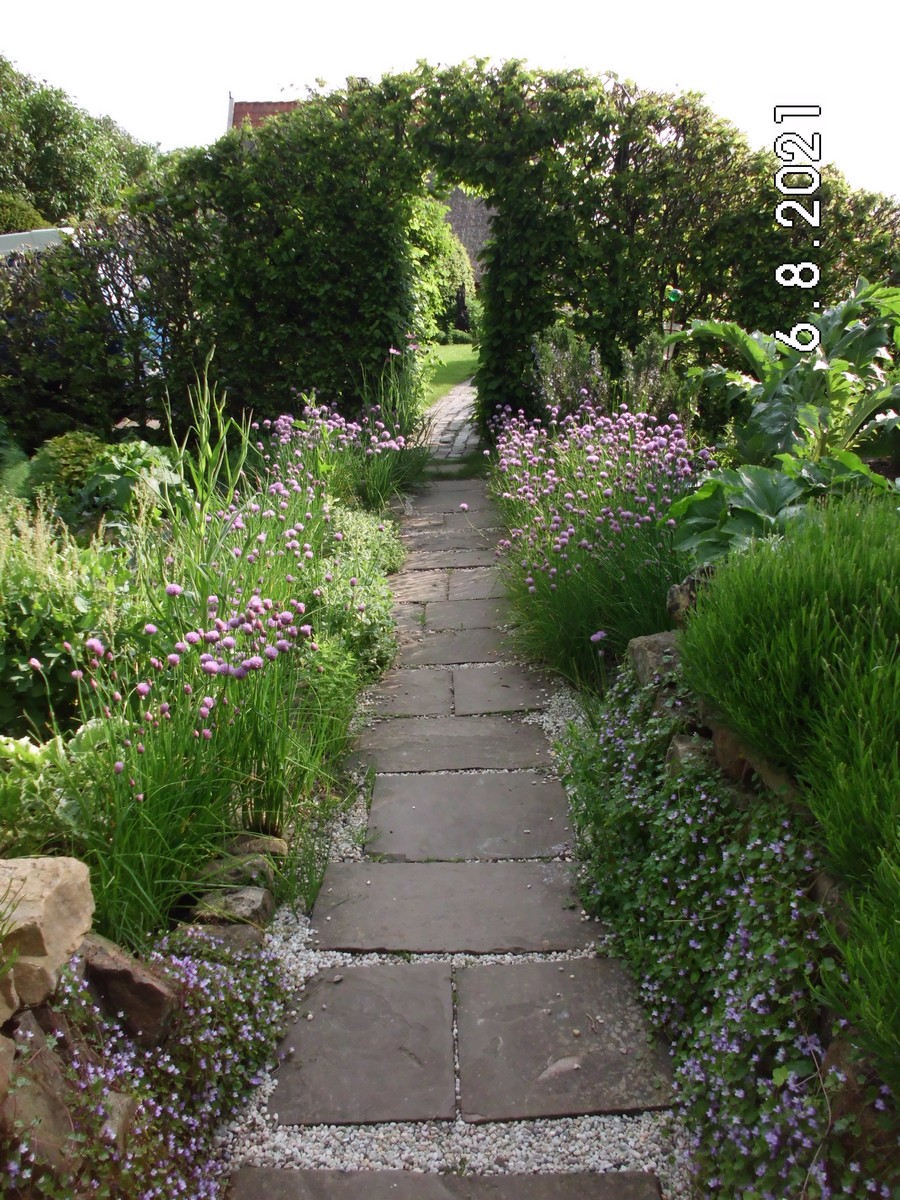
(163,70)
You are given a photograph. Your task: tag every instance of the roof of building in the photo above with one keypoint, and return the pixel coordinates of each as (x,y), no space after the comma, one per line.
(257,111)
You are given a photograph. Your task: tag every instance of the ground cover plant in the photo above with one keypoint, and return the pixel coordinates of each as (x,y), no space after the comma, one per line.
(590,554)
(811,679)
(229,1009)
(708,897)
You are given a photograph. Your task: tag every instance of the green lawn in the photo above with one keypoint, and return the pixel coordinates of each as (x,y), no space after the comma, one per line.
(455,364)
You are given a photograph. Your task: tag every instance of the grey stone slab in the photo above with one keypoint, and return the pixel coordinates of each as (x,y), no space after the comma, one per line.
(452,744)
(415,693)
(499,688)
(432,521)
(270,1183)
(448,646)
(409,617)
(417,818)
(466,614)
(448,539)
(430,560)
(420,585)
(479,518)
(379,1048)
(450,908)
(446,496)
(481,583)
(537,1041)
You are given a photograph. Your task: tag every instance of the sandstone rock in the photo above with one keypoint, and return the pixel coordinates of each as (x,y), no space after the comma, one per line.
(246,906)
(653,655)
(52,911)
(120,1114)
(258,843)
(729,753)
(236,937)
(39,1099)
(125,985)
(686,751)
(9,999)
(238,870)
(7,1054)
(682,597)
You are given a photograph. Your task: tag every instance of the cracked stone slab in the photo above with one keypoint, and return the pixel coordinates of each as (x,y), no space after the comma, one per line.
(466,614)
(420,585)
(253,1183)
(448,646)
(452,744)
(419,818)
(450,908)
(480,583)
(497,689)
(537,1041)
(415,693)
(379,1048)
(429,560)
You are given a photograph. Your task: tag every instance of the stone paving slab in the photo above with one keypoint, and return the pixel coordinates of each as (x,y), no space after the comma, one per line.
(448,539)
(447,495)
(429,560)
(420,818)
(537,1041)
(486,518)
(409,617)
(415,693)
(452,744)
(379,1048)
(448,646)
(416,524)
(482,583)
(450,908)
(466,614)
(270,1183)
(496,689)
(420,585)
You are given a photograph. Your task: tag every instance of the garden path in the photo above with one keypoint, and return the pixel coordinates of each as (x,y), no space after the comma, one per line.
(477,997)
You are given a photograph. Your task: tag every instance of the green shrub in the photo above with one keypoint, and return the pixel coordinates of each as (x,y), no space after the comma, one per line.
(18,215)
(53,591)
(64,464)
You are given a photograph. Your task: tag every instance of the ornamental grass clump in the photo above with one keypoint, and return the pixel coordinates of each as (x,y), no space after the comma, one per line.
(709,900)
(589,557)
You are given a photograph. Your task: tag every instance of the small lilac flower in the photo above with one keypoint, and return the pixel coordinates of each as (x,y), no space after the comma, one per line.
(598,636)
(78,674)
(94,645)
(174,589)
(464,508)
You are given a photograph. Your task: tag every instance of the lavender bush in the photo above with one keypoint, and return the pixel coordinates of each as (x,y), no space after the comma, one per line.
(589,557)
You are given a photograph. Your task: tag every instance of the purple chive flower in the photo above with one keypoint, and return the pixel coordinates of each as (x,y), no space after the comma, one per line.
(464,508)
(118,767)
(142,688)
(174,589)
(78,674)
(150,628)
(598,636)
(94,645)
(192,638)
(173,660)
